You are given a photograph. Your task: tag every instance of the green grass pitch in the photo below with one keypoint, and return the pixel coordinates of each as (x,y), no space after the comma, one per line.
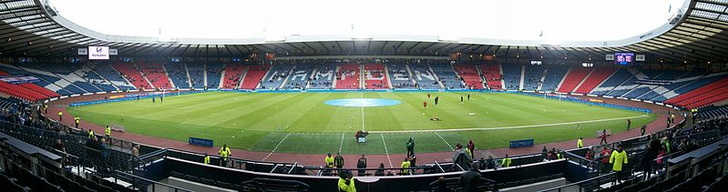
(302,123)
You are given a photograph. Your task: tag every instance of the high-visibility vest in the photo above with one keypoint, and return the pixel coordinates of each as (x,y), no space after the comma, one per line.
(90,134)
(405,166)
(108,131)
(224,151)
(78,119)
(506,162)
(207,159)
(329,161)
(580,143)
(60,113)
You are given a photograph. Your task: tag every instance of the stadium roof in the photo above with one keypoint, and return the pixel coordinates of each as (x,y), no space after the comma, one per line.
(696,34)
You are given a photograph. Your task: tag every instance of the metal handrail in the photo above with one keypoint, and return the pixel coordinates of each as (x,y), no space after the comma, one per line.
(134,178)
(597,178)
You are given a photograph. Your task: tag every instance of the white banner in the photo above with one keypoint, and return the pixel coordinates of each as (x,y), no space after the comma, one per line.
(113,52)
(610,57)
(82,51)
(639,57)
(98,52)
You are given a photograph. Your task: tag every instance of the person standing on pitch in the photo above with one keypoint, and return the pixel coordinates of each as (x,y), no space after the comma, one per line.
(643,129)
(410,147)
(77,119)
(424,104)
(461,99)
(468,96)
(428,95)
(437,99)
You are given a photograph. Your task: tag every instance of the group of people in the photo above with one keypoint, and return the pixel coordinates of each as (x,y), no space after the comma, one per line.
(553,154)
(437,100)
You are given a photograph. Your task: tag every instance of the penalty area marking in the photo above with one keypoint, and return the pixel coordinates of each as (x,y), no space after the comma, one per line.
(274,149)
(443,140)
(510,127)
(386,151)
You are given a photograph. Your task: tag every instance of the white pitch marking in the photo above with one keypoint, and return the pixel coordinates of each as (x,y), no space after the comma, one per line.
(342,142)
(362,114)
(509,127)
(386,151)
(443,140)
(274,149)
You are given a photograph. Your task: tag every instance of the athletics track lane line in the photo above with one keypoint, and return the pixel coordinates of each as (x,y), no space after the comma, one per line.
(510,127)
(274,149)
(386,151)
(443,140)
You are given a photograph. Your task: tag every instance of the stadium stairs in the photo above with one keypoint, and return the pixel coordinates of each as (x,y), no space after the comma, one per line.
(375,76)
(107,72)
(574,78)
(276,76)
(596,77)
(62,71)
(178,74)
(299,77)
(469,75)
(447,76)
(232,75)
(156,74)
(512,74)
(533,76)
(324,76)
(213,77)
(92,77)
(400,76)
(253,76)
(492,75)
(132,74)
(196,74)
(347,76)
(424,76)
(553,77)
(51,76)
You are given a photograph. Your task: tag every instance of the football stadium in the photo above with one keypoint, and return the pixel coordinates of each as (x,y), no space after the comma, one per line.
(323,95)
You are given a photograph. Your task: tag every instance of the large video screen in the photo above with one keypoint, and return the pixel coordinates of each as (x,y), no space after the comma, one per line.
(98,53)
(623,58)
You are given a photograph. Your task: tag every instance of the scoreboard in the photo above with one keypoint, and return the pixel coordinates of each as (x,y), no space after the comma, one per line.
(623,58)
